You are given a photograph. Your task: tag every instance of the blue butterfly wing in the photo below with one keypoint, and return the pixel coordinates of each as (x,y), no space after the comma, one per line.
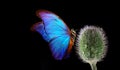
(55,32)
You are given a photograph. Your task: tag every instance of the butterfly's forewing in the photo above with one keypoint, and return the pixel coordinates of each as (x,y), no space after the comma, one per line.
(55,32)
(54,26)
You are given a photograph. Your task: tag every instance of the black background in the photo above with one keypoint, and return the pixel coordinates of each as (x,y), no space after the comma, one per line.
(32,52)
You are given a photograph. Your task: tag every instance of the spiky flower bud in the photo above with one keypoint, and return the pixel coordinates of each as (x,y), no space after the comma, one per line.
(91,45)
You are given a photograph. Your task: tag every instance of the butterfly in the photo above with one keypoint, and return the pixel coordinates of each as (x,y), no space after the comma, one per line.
(54,31)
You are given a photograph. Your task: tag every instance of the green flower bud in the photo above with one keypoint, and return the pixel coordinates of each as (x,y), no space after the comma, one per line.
(91,45)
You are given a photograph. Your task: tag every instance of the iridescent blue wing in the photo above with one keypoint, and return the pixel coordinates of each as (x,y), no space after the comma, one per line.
(55,32)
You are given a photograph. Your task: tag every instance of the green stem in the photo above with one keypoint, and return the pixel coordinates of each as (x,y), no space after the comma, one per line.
(93,66)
